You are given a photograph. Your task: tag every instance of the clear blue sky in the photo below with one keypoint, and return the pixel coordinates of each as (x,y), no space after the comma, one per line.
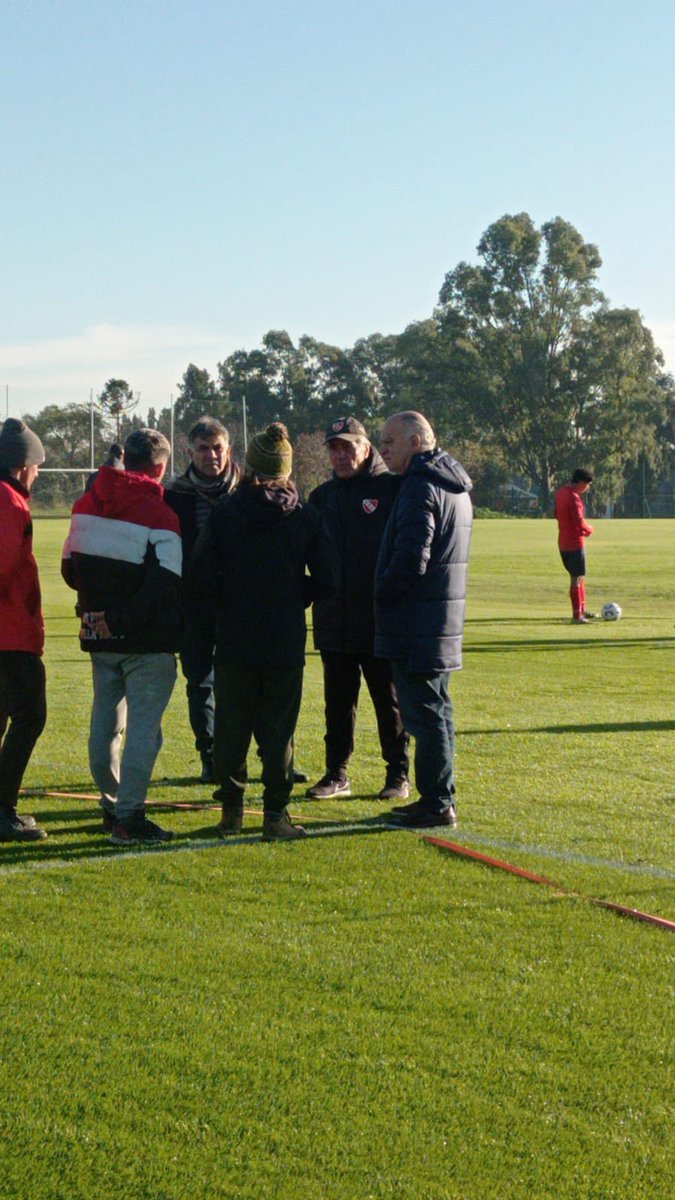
(178,178)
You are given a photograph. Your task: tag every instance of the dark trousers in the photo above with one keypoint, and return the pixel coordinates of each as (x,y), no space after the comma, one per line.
(267,700)
(426,708)
(341,684)
(197,666)
(23,705)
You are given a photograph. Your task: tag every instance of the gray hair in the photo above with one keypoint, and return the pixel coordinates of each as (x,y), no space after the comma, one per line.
(208,427)
(416,423)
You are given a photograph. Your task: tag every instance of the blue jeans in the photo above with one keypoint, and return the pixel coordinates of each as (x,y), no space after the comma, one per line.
(426,709)
(131,692)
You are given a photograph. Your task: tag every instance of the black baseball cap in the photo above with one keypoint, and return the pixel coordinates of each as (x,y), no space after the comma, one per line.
(347,428)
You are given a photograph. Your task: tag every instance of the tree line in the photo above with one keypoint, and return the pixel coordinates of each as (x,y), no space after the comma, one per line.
(523,368)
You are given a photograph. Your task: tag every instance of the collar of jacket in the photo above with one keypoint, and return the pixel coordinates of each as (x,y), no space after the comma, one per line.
(6,477)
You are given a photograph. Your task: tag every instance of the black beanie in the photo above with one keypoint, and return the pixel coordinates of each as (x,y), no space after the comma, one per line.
(19,446)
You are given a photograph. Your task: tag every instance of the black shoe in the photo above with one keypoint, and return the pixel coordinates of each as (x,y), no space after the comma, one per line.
(405,808)
(14,828)
(137,831)
(395,789)
(230,822)
(207,771)
(418,816)
(278,827)
(300,776)
(327,787)
(108,821)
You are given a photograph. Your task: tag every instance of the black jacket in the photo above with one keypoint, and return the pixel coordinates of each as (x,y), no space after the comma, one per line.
(420,580)
(123,557)
(356,511)
(246,577)
(183,494)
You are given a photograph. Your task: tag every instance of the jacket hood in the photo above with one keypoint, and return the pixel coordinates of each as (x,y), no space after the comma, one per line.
(374,465)
(266,505)
(442,468)
(118,491)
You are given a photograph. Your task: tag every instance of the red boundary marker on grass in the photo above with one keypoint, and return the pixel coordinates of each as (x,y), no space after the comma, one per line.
(465,852)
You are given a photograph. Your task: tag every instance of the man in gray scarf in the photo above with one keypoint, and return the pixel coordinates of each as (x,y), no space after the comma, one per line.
(211,475)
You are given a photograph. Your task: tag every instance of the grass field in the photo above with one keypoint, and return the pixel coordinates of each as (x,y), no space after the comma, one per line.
(360,1015)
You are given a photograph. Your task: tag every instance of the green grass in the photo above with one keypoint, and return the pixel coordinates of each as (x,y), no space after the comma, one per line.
(361,1015)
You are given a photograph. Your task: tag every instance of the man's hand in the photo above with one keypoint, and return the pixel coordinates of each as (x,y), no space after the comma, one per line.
(94,626)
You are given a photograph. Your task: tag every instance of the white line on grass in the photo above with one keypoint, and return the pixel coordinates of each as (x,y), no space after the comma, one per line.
(367,826)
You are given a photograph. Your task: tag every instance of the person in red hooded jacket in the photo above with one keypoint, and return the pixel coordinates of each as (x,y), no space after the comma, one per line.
(23,705)
(123,557)
(572,529)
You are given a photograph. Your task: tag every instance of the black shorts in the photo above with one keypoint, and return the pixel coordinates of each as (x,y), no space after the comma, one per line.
(574,561)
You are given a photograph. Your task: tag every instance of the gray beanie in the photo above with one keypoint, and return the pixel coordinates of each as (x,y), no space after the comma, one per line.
(19,446)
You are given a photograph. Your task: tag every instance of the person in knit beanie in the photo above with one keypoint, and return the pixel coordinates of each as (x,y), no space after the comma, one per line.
(248,585)
(23,705)
(270,454)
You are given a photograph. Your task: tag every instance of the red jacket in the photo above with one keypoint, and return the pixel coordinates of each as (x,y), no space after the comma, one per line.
(21,623)
(123,557)
(569,511)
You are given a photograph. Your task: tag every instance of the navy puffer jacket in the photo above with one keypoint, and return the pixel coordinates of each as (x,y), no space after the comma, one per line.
(420,579)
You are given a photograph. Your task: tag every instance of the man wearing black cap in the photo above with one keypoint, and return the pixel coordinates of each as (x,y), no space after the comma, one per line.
(22,675)
(356,504)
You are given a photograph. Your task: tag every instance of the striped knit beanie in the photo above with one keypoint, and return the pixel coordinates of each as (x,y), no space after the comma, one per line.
(270,454)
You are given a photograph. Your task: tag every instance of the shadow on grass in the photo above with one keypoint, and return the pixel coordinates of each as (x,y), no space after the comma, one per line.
(179,781)
(583,642)
(599,727)
(14,855)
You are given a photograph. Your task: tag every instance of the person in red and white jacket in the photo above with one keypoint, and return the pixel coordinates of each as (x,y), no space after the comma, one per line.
(23,705)
(572,530)
(123,556)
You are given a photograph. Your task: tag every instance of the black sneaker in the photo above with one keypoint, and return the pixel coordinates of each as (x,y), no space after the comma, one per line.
(14,828)
(418,816)
(395,789)
(137,831)
(327,787)
(300,776)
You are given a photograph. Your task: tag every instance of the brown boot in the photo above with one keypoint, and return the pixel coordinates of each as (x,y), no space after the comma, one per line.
(278,827)
(230,822)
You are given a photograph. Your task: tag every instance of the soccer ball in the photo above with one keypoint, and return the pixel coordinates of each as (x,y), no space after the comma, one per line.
(611,611)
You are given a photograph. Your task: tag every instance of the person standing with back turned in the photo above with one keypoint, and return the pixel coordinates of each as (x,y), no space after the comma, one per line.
(23,704)
(420,589)
(247,583)
(123,557)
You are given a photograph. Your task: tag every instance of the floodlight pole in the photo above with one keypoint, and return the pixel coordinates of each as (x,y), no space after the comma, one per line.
(171,431)
(243,406)
(91,430)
